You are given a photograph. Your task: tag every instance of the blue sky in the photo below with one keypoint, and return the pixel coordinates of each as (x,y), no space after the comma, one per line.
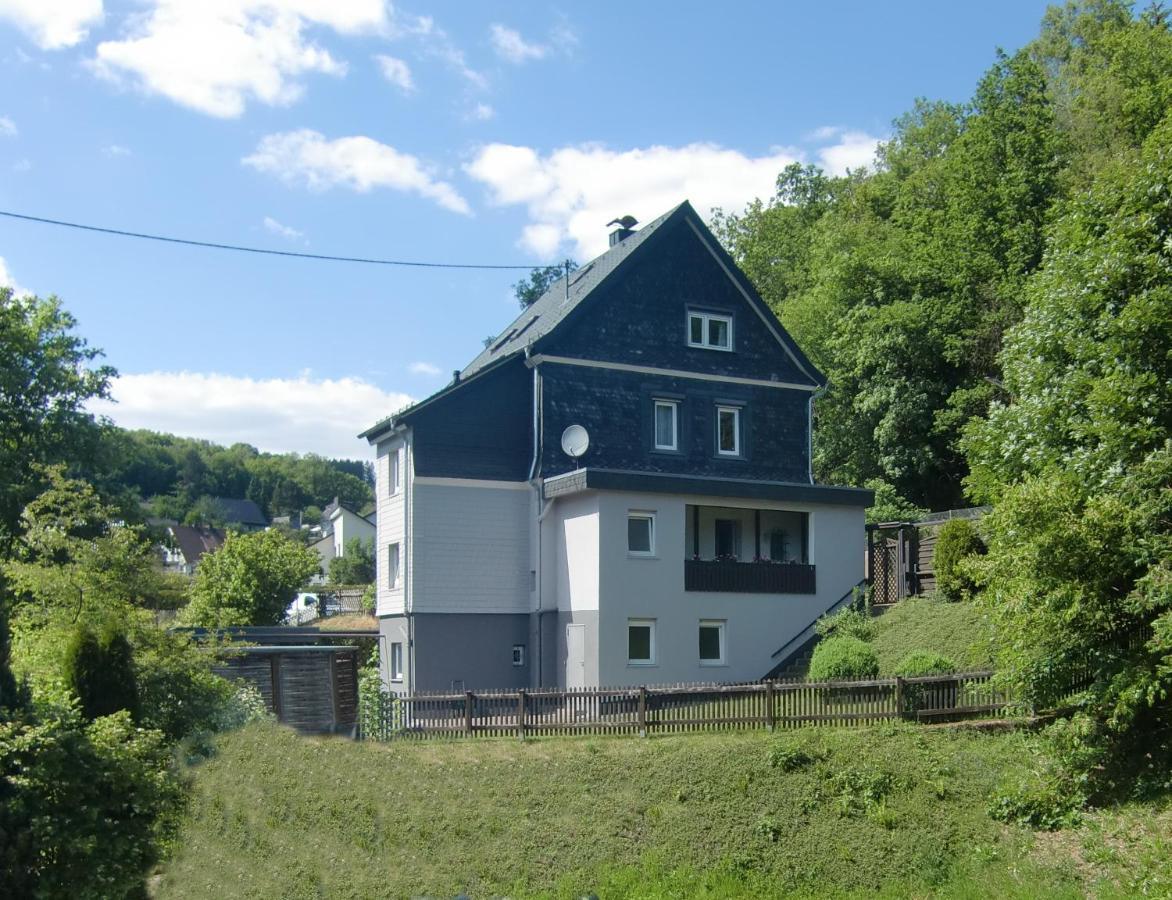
(494,132)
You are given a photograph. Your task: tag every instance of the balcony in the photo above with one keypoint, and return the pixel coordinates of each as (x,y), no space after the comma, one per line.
(748,577)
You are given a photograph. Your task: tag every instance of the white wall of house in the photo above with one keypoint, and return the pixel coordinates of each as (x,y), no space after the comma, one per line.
(392,523)
(347,526)
(595,571)
(470,546)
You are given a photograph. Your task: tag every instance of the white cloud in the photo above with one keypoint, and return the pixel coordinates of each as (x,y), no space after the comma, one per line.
(571,193)
(6,280)
(22,165)
(511,47)
(113,150)
(854,149)
(53,24)
(358,163)
(481,112)
(8,127)
(285,231)
(423,368)
(215,55)
(276,414)
(396,72)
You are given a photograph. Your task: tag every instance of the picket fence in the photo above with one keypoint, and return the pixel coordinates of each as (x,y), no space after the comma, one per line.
(647,710)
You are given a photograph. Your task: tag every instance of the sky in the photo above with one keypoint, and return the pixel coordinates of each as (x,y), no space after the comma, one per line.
(499,133)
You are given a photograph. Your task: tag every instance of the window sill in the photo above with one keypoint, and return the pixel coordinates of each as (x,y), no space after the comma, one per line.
(641,665)
(713,665)
(709,347)
(631,555)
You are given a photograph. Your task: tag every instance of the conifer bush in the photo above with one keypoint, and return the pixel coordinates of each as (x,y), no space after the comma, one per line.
(99,668)
(956,542)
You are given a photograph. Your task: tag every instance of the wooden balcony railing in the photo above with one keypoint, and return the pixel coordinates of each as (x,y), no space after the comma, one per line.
(748,577)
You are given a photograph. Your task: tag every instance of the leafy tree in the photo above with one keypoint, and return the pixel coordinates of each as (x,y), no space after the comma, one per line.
(47,373)
(250,580)
(355,565)
(529,290)
(206,511)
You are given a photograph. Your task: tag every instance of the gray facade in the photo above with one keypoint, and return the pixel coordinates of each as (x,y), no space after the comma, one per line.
(457,651)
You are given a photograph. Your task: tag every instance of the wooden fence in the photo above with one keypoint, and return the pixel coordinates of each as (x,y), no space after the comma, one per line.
(681,708)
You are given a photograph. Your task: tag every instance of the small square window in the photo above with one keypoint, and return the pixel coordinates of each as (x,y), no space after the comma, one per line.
(666,425)
(712,642)
(710,330)
(396,662)
(641,533)
(728,431)
(518,655)
(641,642)
(393,566)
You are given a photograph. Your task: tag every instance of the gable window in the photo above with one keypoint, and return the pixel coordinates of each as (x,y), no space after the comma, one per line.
(712,642)
(710,330)
(640,642)
(393,473)
(641,534)
(667,425)
(728,431)
(393,566)
(396,662)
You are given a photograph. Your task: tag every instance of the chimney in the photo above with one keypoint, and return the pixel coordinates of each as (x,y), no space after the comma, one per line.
(625,230)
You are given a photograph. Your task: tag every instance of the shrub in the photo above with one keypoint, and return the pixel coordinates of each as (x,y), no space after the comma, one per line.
(924,662)
(99,668)
(956,542)
(849,622)
(179,693)
(841,656)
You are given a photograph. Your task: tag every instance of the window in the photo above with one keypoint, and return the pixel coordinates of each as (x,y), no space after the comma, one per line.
(728,431)
(711,642)
(711,331)
(666,425)
(777,545)
(728,539)
(396,662)
(393,473)
(640,642)
(393,566)
(518,654)
(641,533)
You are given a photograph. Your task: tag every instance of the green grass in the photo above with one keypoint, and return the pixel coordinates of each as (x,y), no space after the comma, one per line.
(894,810)
(954,630)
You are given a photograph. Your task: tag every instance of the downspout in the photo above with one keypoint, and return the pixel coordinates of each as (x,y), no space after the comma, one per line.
(537,574)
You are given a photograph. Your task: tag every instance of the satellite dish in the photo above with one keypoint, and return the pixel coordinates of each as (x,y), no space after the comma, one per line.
(575,441)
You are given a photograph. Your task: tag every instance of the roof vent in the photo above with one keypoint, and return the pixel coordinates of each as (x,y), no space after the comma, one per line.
(625,230)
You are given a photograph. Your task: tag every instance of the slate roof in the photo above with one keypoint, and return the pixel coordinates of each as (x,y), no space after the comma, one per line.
(195,541)
(552,307)
(241,512)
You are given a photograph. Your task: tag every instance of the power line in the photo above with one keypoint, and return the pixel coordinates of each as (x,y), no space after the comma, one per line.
(218,246)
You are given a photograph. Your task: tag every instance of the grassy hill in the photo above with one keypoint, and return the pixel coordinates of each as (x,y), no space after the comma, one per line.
(955,630)
(894,811)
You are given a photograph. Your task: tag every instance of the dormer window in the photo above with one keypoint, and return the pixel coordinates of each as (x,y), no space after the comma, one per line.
(710,330)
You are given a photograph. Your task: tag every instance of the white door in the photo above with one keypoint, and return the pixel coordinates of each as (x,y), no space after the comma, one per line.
(575,656)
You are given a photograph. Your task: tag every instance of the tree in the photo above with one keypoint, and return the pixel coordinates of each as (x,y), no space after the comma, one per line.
(47,374)
(99,666)
(250,580)
(355,565)
(529,290)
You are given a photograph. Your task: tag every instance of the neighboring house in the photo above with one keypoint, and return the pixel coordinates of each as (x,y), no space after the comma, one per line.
(340,524)
(241,515)
(186,544)
(687,543)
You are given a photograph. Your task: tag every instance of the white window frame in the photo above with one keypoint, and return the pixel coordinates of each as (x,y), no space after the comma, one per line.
(395,664)
(394,566)
(706,318)
(718,624)
(736,412)
(649,515)
(518,655)
(393,473)
(674,406)
(640,623)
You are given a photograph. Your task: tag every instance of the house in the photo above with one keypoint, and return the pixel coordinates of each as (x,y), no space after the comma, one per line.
(617,490)
(186,544)
(240,514)
(340,524)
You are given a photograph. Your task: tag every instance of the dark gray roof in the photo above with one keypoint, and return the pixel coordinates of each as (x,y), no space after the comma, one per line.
(241,512)
(195,541)
(550,308)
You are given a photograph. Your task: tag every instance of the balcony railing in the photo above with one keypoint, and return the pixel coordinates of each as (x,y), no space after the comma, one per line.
(748,577)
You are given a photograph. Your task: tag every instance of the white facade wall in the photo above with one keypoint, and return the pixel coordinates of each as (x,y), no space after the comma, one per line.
(470,546)
(348,525)
(392,523)
(624,587)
